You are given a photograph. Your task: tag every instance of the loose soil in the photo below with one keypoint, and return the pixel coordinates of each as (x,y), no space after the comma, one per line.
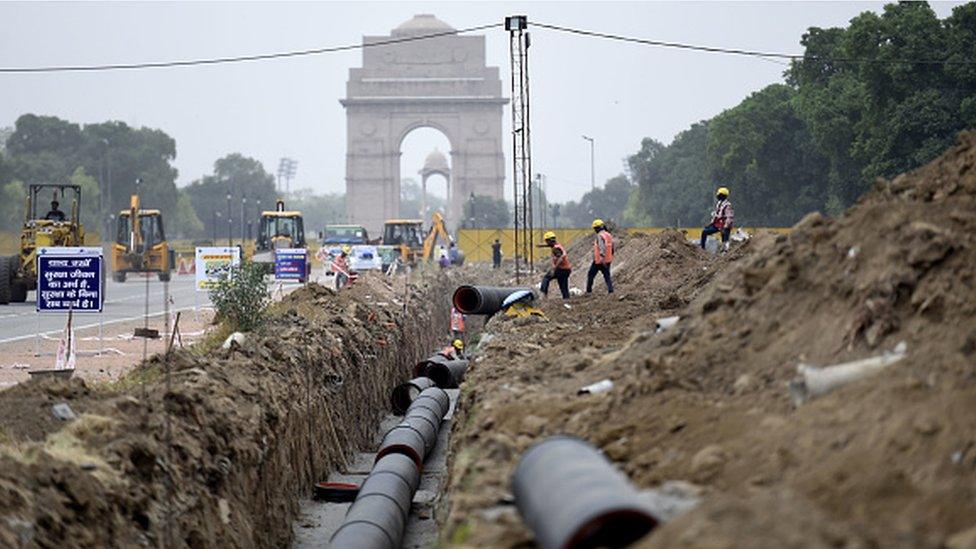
(888,461)
(217,452)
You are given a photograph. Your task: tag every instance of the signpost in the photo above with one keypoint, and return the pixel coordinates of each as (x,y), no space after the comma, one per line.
(70,279)
(291,264)
(213,264)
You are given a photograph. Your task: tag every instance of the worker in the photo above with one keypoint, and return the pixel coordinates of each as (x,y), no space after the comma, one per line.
(453,254)
(457,324)
(55,214)
(453,351)
(722,217)
(560,269)
(340,266)
(496,254)
(602,256)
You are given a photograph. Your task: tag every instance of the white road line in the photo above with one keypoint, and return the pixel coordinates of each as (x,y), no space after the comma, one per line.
(140,316)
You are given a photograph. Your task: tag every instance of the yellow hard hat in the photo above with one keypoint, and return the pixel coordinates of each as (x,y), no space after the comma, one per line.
(722,191)
(597,223)
(458,344)
(549,236)
(346,249)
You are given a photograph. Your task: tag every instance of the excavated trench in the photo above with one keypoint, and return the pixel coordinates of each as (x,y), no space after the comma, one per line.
(218,452)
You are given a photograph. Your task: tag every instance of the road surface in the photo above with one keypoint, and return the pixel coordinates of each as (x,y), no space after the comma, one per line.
(123,302)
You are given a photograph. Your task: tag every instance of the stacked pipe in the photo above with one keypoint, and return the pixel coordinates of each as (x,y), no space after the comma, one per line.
(378,516)
(405,393)
(481,300)
(446,373)
(570,496)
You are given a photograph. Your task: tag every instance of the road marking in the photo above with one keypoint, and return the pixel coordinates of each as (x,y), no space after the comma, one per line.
(105,323)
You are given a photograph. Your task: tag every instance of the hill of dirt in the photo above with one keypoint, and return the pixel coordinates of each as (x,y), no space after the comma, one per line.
(887,461)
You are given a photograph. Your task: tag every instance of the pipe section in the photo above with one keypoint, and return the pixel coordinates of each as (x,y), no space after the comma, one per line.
(378,516)
(405,393)
(416,435)
(448,374)
(571,496)
(481,300)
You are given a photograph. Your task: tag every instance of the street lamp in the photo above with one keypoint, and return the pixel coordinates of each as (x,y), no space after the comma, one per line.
(243,207)
(592,168)
(215,217)
(474,218)
(230,222)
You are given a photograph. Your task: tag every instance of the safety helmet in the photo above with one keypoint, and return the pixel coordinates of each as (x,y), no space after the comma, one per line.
(346,249)
(597,223)
(722,191)
(458,344)
(549,236)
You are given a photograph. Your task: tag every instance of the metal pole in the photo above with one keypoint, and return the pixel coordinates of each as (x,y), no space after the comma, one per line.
(230,222)
(243,207)
(592,168)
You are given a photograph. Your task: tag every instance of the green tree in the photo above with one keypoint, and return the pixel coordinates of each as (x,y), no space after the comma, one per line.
(90,194)
(674,183)
(481,211)
(607,203)
(13,197)
(319,210)
(185,223)
(238,177)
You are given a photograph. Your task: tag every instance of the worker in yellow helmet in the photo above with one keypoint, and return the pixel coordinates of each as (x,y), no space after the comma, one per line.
(560,269)
(722,217)
(602,256)
(340,267)
(453,351)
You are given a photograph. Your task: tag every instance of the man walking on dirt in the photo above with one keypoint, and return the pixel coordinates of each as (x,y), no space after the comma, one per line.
(602,256)
(496,254)
(560,266)
(722,217)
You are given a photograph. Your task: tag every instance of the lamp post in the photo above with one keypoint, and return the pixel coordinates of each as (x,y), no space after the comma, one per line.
(592,168)
(474,218)
(243,207)
(230,222)
(215,217)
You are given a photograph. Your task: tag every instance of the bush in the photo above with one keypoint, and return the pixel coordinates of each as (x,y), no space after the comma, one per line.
(242,298)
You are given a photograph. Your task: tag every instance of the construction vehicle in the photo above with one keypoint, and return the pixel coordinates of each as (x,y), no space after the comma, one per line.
(344,234)
(279,228)
(410,239)
(140,244)
(18,273)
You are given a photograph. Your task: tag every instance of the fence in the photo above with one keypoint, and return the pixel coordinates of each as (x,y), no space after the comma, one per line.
(476,243)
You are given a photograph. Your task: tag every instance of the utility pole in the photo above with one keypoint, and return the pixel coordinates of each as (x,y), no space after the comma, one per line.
(516,25)
(286,170)
(592,168)
(243,207)
(230,221)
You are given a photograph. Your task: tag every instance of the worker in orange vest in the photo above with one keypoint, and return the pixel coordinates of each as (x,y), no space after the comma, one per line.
(457,324)
(602,256)
(340,266)
(560,266)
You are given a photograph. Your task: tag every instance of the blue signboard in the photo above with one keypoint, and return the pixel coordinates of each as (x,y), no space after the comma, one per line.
(290,263)
(69,279)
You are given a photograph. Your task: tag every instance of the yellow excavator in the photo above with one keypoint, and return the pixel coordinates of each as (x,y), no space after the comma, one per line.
(140,243)
(409,238)
(18,273)
(279,228)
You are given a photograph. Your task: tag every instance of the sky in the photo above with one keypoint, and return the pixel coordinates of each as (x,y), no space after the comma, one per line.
(616,93)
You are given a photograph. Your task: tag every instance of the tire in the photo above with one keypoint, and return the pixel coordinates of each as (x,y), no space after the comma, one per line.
(18,291)
(118,276)
(5,279)
(164,276)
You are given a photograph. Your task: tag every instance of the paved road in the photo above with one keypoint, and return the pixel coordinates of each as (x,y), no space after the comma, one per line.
(123,302)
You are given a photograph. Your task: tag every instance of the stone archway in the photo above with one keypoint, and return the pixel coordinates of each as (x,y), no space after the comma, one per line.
(442,83)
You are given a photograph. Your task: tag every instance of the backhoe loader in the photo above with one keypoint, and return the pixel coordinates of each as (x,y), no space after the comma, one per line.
(140,244)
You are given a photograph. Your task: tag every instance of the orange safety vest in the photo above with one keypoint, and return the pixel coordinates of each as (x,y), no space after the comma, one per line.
(457,320)
(562,261)
(340,264)
(603,259)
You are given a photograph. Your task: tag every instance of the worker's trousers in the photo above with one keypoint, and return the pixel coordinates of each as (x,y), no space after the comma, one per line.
(562,278)
(599,268)
(712,229)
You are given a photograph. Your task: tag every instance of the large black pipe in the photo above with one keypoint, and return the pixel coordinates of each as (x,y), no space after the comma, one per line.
(420,370)
(481,300)
(405,393)
(378,516)
(447,375)
(571,496)
(416,435)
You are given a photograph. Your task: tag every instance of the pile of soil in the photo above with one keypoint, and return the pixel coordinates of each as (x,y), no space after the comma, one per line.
(217,452)
(887,461)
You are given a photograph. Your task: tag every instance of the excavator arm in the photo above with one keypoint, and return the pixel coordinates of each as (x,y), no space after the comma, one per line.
(437,229)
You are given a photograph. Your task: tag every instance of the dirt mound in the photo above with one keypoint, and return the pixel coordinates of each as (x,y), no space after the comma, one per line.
(887,461)
(216,453)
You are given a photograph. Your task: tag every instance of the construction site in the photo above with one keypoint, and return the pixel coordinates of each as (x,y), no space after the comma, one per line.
(718,414)
(478,373)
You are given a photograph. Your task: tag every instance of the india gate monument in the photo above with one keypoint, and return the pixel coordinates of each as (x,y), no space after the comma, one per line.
(441,83)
